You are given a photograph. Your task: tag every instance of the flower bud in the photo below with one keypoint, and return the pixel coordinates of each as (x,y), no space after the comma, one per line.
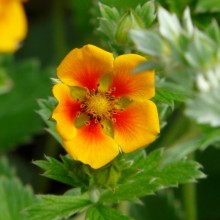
(130,20)
(109,176)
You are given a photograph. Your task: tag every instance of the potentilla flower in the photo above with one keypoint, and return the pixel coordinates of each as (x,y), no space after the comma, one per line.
(103,108)
(13,25)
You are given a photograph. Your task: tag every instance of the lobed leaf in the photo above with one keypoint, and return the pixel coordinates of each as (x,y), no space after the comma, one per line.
(68,171)
(101,212)
(51,207)
(46,108)
(151,176)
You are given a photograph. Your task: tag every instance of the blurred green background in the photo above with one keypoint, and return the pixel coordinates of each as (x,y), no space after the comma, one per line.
(56,27)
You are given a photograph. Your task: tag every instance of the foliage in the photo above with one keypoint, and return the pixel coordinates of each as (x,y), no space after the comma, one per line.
(180,40)
(17,117)
(52,207)
(14,197)
(191,53)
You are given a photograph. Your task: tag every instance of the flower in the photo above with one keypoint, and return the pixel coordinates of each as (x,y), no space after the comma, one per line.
(103,108)
(13,25)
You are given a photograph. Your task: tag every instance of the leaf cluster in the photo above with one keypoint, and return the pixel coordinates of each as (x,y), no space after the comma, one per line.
(189,58)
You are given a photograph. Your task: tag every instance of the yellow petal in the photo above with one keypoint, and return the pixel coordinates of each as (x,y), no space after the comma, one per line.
(136,126)
(137,86)
(13,25)
(66,111)
(91,146)
(85,67)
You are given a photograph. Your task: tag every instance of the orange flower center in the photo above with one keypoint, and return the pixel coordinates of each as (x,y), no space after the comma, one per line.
(99,106)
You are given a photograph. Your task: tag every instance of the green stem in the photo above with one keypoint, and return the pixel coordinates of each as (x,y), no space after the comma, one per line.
(59,28)
(189,199)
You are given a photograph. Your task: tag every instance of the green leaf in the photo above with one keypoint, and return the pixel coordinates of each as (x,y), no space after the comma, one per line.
(14,198)
(18,119)
(169,25)
(169,92)
(187,21)
(51,207)
(5,82)
(201,52)
(147,42)
(146,12)
(168,96)
(148,65)
(151,176)
(205,108)
(206,6)
(101,212)
(46,108)
(109,13)
(5,169)
(108,20)
(68,171)
(180,151)
(129,20)
(213,31)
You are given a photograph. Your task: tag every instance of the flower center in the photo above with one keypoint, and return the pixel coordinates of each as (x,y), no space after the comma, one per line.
(99,106)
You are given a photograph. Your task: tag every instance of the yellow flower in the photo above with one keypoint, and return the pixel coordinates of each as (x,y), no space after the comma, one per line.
(13,25)
(103,107)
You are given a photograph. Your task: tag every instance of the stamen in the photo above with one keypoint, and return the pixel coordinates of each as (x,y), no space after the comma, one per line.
(113,120)
(100,105)
(88,123)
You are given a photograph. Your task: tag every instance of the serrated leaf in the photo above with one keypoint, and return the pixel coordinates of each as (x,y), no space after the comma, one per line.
(168,96)
(131,164)
(14,198)
(151,176)
(51,207)
(101,212)
(68,171)
(46,108)
(18,119)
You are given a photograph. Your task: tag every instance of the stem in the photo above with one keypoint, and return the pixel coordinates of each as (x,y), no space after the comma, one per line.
(123,207)
(189,199)
(59,30)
